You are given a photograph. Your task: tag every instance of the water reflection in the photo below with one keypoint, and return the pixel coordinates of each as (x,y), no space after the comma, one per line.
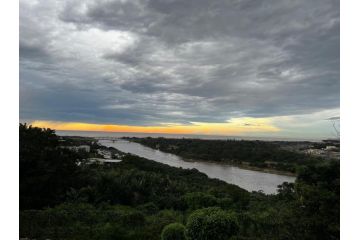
(247,179)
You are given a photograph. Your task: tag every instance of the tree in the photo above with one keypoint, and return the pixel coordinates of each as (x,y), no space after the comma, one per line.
(198,200)
(173,231)
(46,171)
(211,223)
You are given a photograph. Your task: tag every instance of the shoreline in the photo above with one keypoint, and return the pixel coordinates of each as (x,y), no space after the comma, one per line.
(267,170)
(241,166)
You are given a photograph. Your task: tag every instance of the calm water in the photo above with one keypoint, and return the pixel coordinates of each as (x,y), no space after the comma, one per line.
(247,179)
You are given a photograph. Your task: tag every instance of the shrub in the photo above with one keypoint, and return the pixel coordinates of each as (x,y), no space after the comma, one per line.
(211,223)
(135,218)
(173,231)
(148,208)
(196,200)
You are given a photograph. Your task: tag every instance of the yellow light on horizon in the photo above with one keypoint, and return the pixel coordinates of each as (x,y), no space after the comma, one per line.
(233,126)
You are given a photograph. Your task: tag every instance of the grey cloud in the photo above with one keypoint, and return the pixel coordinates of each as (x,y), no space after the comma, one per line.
(32,52)
(190,60)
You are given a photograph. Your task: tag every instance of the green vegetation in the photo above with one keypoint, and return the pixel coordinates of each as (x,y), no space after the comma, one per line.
(251,154)
(46,171)
(173,231)
(62,196)
(212,224)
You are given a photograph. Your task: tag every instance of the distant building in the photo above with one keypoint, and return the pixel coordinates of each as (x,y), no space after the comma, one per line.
(331,148)
(105,153)
(85,148)
(327,153)
(314,151)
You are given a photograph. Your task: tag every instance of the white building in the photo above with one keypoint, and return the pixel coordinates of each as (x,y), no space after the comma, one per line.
(330,148)
(85,148)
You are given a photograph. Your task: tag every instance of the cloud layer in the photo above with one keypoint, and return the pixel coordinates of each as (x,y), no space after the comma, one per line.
(173,61)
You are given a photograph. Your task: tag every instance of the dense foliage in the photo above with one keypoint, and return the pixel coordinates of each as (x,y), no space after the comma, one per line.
(259,154)
(173,231)
(211,224)
(62,196)
(46,171)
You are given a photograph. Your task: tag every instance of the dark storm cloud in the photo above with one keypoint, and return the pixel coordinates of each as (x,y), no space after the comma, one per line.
(154,61)
(31,52)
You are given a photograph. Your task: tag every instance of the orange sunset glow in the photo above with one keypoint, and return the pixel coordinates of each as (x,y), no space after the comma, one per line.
(234,126)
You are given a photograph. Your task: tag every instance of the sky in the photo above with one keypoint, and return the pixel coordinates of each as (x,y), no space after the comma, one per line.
(230,67)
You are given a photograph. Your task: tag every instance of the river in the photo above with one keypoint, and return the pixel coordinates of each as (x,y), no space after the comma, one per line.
(247,179)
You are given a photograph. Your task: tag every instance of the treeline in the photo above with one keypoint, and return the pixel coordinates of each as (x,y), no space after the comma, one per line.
(64,197)
(260,154)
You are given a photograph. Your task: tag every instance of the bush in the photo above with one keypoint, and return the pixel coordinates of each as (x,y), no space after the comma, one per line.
(198,200)
(211,223)
(173,231)
(148,208)
(135,218)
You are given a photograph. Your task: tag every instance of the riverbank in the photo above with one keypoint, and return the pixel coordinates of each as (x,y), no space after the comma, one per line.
(248,179)
(266,170)
(87,141)
(267,157)
(247,167)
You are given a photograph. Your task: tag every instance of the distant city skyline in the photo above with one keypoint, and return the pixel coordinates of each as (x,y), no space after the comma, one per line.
(232,68)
